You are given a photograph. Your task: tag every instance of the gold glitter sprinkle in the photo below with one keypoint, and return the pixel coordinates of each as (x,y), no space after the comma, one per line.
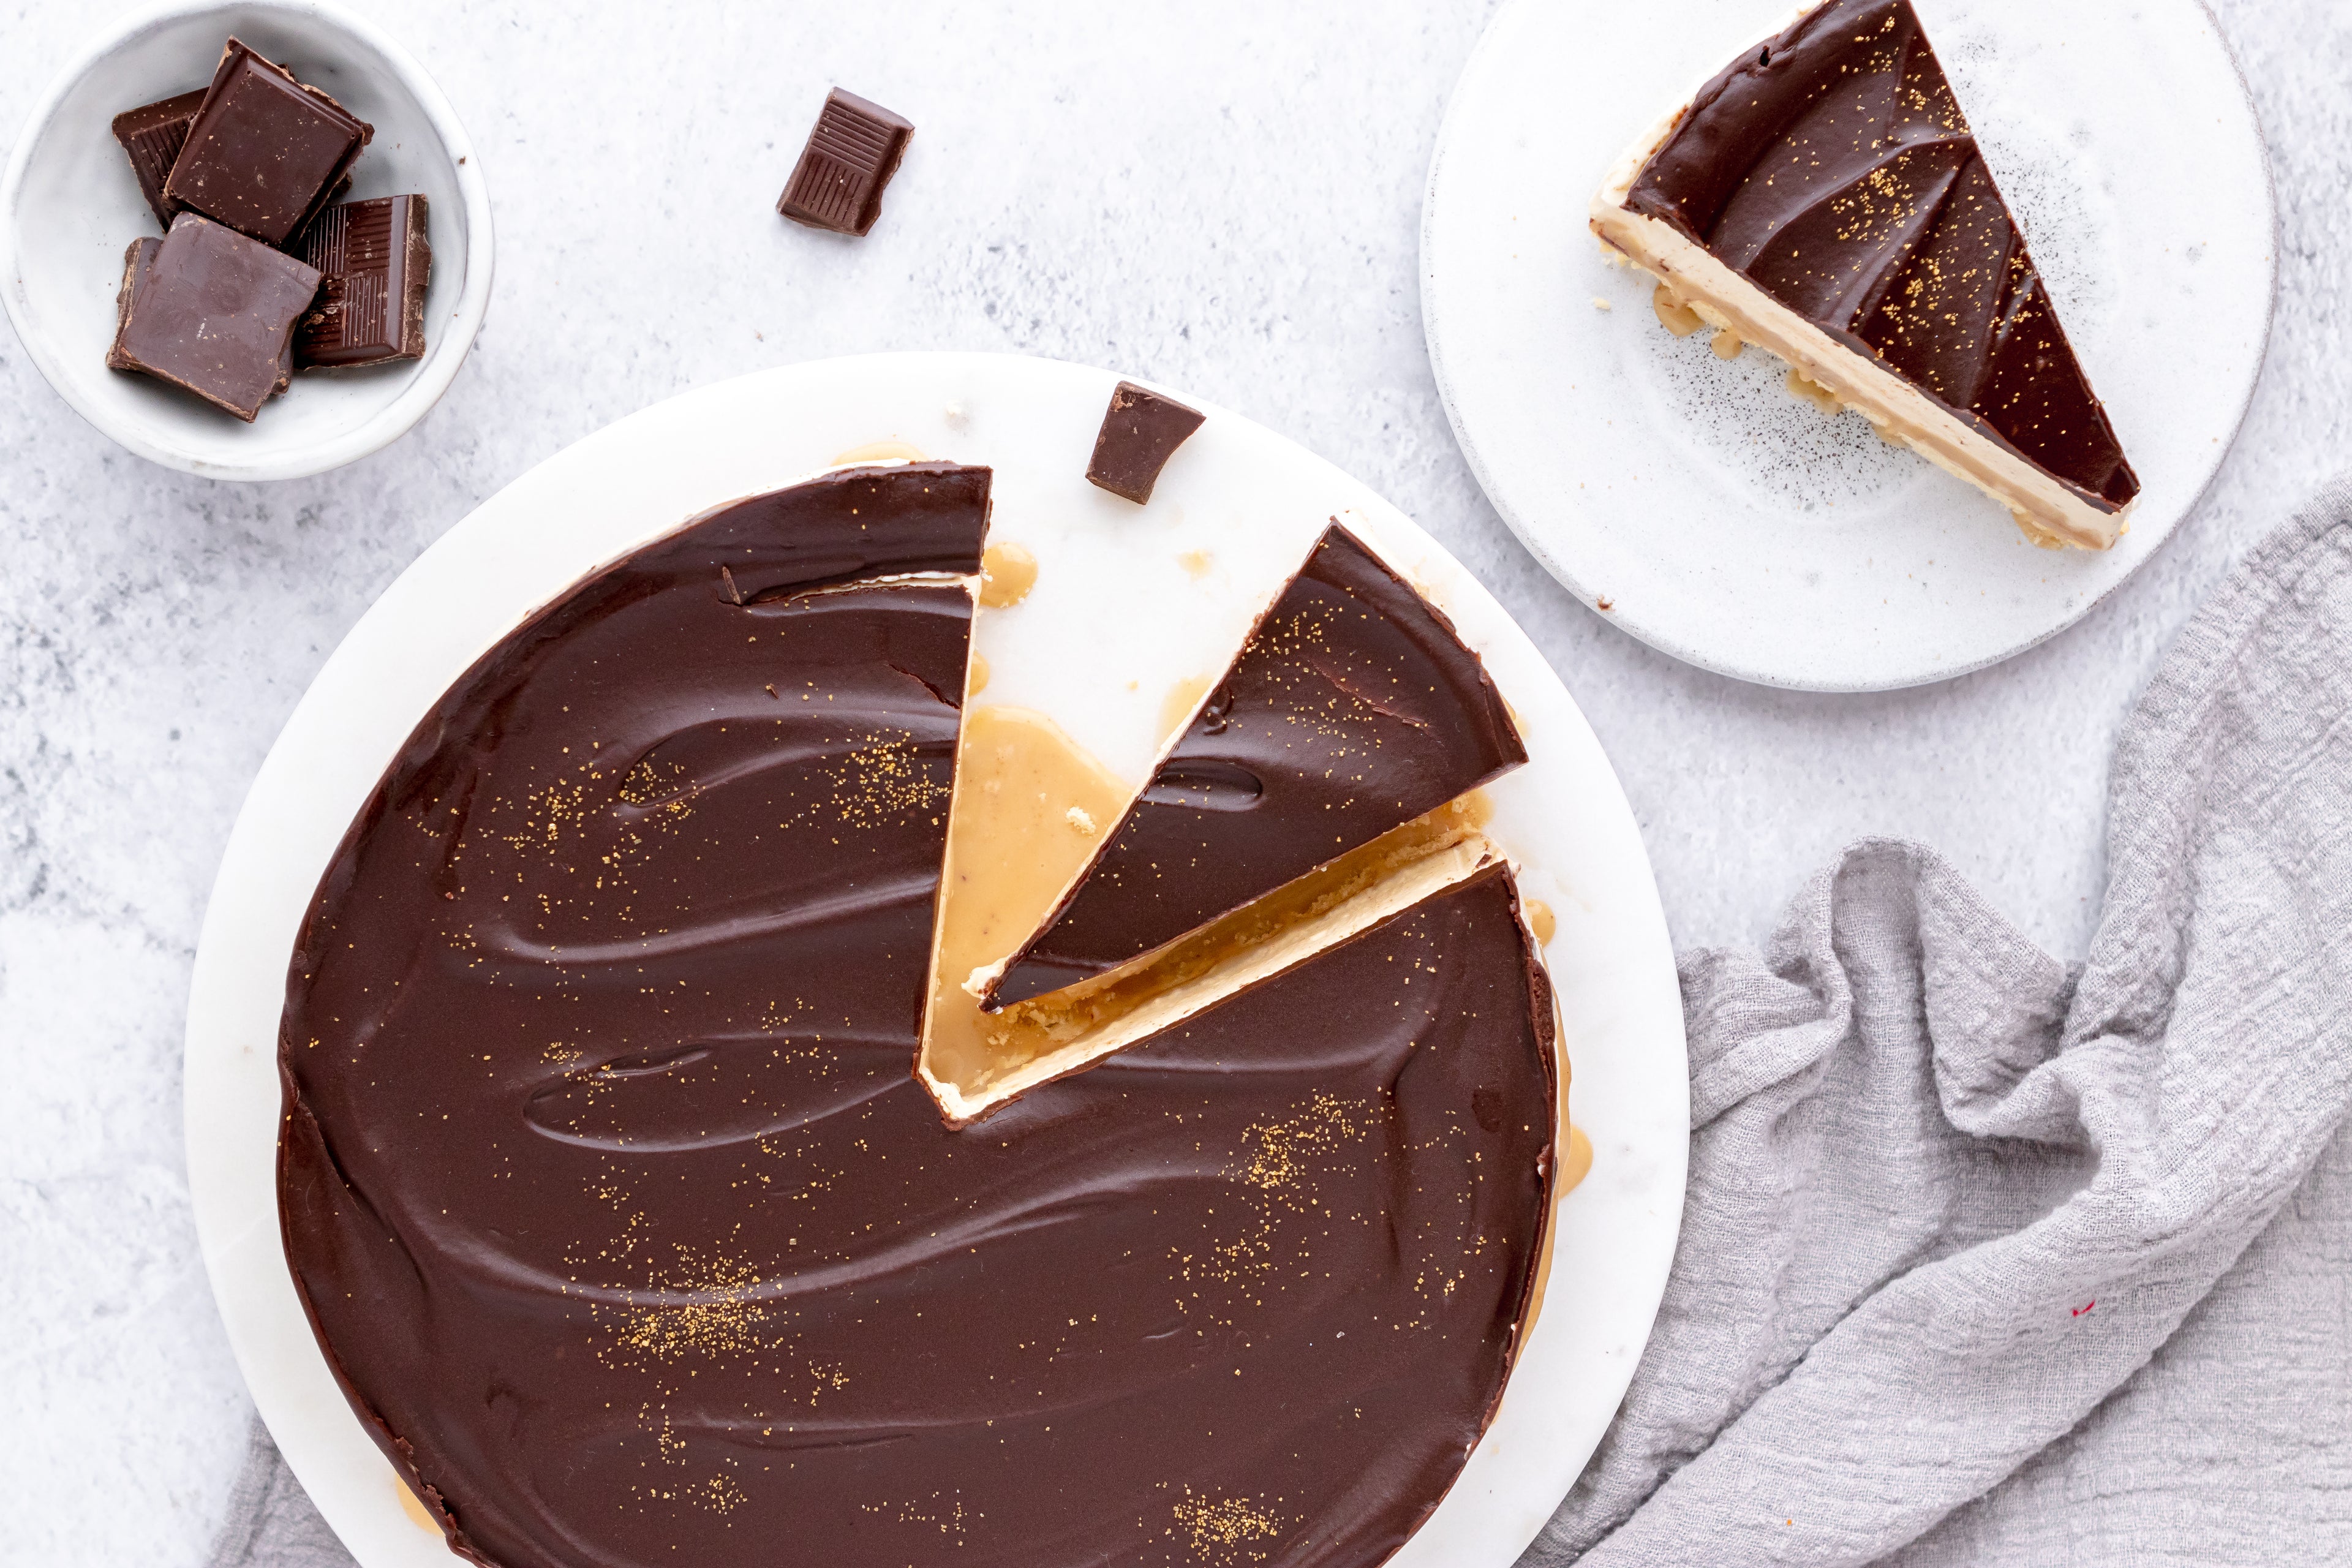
(719,1494)
(883,780)
(1280,1150)
(941,1511)
(1226,1530)
(717,1315)
(1275,1168)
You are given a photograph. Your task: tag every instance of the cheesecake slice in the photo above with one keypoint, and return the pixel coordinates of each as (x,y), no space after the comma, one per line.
(972,1073)
(1823,197)
(1352,710)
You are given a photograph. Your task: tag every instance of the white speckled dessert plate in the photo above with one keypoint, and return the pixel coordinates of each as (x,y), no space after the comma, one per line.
(1115,620)
(1705,510)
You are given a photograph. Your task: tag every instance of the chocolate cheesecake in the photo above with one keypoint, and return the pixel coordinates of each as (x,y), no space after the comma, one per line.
(1352,708)
(631,1238)
(1823,197)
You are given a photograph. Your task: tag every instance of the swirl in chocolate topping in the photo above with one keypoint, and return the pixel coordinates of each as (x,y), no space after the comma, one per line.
(623,1226)
(1834,169)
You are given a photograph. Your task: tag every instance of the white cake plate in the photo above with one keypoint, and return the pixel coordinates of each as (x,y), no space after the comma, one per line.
(1702,507)
(1127,601)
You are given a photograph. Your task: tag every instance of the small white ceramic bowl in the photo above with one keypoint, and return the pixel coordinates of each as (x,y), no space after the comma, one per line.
(69,206)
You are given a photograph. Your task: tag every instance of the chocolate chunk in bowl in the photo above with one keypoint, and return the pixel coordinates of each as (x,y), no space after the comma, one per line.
(212,312)
(264,152)
(376,262)
(152,136)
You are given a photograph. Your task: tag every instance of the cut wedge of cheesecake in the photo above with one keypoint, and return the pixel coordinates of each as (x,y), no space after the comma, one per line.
(976,1066)
(1822,197)
(1352,708)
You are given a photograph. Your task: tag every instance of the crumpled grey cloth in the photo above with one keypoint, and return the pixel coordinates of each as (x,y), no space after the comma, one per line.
(1987,1260)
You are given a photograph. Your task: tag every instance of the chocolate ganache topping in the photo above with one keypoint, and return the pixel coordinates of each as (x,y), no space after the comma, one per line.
(1832,167)
(617,1212)
(1352,708)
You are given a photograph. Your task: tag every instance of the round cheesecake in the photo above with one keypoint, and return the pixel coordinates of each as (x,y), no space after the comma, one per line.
(629,1230)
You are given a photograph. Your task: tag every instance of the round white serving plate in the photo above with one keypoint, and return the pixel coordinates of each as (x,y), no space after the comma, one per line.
(69,206)
(1128,601)
(1731,525)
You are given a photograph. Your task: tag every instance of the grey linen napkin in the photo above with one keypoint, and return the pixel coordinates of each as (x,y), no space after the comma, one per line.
(1990,1260)
(1985,1259)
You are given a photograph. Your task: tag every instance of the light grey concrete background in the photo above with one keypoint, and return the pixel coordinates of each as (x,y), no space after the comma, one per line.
(1223,194)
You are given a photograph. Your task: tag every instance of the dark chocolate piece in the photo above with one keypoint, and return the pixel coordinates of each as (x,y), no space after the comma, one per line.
(1352,708)
(1833,168)
(213,312)
(264,152)
(850,157)
(371,308)
(631,1239)
(152,136)
(1141,431)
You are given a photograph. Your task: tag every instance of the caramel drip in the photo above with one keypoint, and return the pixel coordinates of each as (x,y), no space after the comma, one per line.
(1029,804)
(413,1507)
(1007,573)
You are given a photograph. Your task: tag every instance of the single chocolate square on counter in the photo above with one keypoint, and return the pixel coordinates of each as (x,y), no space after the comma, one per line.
(264,153)
(850,157)
(208,309)
(152,136)
(1141,431)
(376,262)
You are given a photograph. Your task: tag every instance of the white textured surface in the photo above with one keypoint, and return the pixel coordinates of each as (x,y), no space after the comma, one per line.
(1224,195)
